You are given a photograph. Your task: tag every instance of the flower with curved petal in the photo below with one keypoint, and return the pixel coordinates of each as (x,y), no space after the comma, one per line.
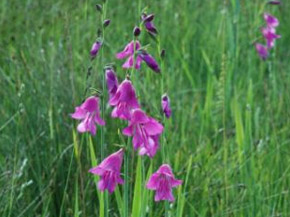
(270,36)
(128,53)
(145,131)
(262,50)
(271,20)
(124,100)
(109,171)
(162,181)
(89,114)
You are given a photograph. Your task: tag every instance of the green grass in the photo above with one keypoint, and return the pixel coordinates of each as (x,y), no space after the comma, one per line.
(228,139)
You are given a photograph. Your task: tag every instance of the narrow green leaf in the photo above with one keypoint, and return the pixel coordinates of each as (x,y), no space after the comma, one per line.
(137,189)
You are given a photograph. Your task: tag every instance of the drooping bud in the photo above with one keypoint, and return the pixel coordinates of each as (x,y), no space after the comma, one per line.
(149,60)
(95,48)
(275,2)
(148,23)
(165,102)
(112,81)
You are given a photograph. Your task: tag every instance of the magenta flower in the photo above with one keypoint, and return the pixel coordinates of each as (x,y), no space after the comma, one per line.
(270,36)
(148,23)
(128,53)
(271,21)
(162,182)
(149,60)
(89,113)
(112,82)
(145,131)
(124,101)
(165,102)
(262,51)
(95,49)
(109,171)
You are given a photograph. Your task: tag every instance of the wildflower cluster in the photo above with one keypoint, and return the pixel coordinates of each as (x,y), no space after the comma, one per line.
(269,34)
(144,129)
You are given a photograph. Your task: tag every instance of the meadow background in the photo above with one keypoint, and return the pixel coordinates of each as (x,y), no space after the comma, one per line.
(228,139)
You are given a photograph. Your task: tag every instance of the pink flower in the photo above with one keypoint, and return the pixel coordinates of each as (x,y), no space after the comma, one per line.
(262,51)
(145,131)
(166,105)
(112,82)
(109,171)
(270,36)
(271,20)
(162,182)
(128,53)
(124,100)
(89,113)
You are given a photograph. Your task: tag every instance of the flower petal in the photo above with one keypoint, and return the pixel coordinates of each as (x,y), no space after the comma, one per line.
(153,127)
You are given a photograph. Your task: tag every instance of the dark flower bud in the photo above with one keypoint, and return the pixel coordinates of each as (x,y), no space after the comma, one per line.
(106,23)
(136,31)
(162,53)
(148,18)
(274,2)
(99,7)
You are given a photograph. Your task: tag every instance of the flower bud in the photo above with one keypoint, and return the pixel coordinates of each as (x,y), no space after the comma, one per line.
(274,2)
(162,53)
(136,31)
(106,23)
(99,7)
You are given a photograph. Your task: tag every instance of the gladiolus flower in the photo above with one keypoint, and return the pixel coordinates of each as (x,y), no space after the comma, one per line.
(112,82)
(271,20)
(89,113)
(149,60)
(124,100)
(166,105)
(162,182)
(148,23)
(262,51)
(95,48)
(145,131)
(270,36)
(109,171)
(128,53)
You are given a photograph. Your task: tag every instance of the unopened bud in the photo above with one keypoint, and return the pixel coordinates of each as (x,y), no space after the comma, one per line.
(274,2)
(106,23)
(99,7)
(136,31)
(162,53)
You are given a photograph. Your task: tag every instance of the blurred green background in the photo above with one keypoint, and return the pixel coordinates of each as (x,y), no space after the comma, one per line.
(230,130)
